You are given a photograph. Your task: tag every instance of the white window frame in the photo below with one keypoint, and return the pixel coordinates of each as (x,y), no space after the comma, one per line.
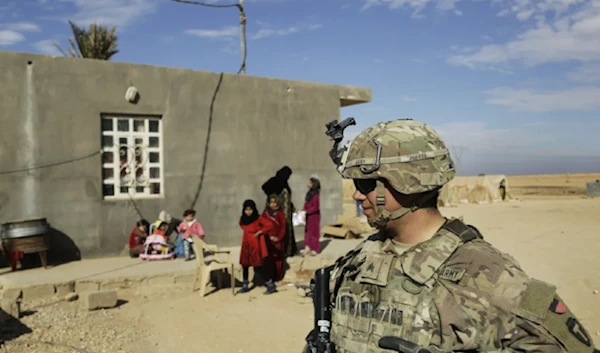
(136,188)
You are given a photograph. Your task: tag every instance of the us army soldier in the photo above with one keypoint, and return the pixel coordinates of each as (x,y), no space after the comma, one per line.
(429,281)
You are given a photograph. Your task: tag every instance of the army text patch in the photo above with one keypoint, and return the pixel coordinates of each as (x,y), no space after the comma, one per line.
(452,274)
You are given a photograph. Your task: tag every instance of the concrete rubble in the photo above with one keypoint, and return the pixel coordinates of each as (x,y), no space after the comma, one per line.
(99,300)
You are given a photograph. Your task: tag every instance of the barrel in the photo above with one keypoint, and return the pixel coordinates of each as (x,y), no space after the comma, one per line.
(26,235)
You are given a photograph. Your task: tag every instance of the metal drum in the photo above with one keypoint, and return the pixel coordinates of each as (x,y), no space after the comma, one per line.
(27,235)
(24,228)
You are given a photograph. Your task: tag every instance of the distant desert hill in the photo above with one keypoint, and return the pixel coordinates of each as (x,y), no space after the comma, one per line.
(550,184)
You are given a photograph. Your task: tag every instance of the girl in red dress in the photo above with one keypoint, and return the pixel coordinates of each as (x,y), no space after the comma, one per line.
(275,246)
(255,228)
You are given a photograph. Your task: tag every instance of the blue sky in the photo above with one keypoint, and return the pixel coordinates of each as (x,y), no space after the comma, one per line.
(513,86)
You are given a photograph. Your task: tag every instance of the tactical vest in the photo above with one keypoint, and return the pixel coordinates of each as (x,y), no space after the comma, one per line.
(379,293)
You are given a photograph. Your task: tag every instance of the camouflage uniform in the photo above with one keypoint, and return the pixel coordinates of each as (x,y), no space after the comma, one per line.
(453,292)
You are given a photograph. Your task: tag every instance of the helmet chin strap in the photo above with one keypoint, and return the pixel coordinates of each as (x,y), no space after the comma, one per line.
(384,216)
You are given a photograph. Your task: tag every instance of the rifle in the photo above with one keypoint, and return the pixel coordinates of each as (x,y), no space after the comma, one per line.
(318,340)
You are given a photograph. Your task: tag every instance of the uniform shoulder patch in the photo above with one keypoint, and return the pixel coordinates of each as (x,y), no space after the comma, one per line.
(541,305)
(535,301)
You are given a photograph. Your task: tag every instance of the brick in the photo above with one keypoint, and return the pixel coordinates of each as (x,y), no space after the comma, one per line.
(11,308)
(99,300)
(161,281)
(81,287)
(43,291)
(12,293)
(64,288)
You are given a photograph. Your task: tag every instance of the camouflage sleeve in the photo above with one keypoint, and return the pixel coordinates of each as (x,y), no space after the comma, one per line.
(495,306)
(543,321)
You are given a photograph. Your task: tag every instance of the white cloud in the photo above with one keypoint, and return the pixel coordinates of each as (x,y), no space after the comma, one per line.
(268,32)
(23,27)
(478,135)
(110,12)
(8,37)
(408,99)
(417,6)
(234,31)
(448,5)
(586,73)
(47,47)
(567,37)
(574,99)
(378,61)
(225,32)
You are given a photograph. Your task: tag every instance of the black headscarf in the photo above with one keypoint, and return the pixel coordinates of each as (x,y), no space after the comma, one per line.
(314,190)
(282,176)
(245,220)
(275,185)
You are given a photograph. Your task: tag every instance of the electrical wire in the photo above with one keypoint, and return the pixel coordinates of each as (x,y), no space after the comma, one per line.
(242,25)
(208,133)
(206,4)
(27,169)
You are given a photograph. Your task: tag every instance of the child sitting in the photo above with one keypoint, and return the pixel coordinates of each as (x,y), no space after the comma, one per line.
(158,240)
(187,228)
(137,237)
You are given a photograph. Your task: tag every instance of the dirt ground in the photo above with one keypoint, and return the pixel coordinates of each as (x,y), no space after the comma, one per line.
(554,239)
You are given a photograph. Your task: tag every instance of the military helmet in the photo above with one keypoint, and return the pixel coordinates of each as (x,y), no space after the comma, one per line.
(410,155)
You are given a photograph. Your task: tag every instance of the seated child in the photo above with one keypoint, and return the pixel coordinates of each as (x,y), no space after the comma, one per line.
(158,240)
(137,237)
(187,228)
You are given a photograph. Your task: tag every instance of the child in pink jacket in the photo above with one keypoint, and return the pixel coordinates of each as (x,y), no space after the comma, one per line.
(188,227)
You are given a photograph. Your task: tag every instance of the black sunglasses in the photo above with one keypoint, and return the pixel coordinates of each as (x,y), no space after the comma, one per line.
(365,186)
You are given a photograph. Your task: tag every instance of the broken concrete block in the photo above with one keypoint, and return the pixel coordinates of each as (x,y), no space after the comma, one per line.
(43,291)
(65,288)
(10,309)
(12,293)
(99,300)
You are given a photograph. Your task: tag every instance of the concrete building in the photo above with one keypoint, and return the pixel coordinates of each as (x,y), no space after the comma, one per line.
(57,109)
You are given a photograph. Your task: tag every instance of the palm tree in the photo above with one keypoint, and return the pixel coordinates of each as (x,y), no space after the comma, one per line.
(97,42)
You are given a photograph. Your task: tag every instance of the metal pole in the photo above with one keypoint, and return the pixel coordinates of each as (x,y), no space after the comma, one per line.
(243,36)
